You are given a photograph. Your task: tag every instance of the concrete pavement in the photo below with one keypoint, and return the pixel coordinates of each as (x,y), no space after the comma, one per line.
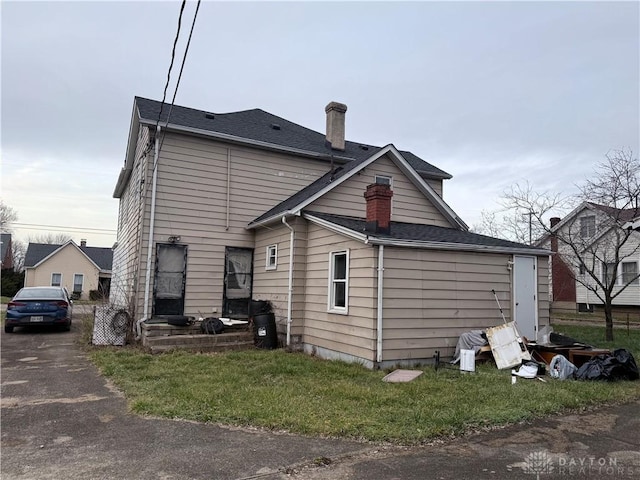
(61,419)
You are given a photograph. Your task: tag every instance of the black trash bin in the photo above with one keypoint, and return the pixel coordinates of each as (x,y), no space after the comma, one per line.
(256,307)
(265,334)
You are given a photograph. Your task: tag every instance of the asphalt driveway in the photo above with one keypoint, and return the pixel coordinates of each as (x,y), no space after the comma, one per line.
(62,420)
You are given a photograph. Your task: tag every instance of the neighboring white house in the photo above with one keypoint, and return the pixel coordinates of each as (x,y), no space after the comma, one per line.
(608,242)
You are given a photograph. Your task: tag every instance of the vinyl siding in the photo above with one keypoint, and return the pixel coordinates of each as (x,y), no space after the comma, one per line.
(273,285)
(67,262)
(353,334)
(192,204)
(126,255)
(431,297)
(408,203)
(630,296)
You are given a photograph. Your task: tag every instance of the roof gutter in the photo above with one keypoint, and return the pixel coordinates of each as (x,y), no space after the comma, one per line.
(467,247)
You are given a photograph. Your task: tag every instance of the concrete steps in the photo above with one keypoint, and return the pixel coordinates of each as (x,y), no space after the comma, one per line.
(159,337)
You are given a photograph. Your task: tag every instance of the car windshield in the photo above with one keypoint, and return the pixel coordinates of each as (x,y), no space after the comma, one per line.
(39,293)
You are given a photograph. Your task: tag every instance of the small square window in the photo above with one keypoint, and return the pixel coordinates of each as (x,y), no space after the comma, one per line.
(56,279)
(384,180)
(272,257)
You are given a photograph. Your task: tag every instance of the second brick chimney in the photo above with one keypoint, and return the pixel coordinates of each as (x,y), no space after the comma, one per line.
(335,124)
(378,198)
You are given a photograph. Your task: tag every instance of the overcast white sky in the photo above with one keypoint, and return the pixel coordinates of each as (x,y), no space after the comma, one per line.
(492,92)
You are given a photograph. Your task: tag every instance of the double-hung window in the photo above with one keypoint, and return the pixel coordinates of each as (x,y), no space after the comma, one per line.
(56,279)
(272,257)
(339,282)
(630,273)
(78,281)
(588,226)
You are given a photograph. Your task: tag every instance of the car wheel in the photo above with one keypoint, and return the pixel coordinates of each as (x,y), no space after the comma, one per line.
(8,329)
(67,327)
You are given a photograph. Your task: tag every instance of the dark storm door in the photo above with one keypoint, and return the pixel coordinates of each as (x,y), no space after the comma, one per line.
(238,281)
(168,288)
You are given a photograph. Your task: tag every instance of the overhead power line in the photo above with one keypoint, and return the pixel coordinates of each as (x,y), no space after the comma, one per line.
(38,226)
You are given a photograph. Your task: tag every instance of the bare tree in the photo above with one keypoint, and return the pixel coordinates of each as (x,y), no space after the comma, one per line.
(516,220)
(50,238)
(18,249)
(596,246)
(7,217)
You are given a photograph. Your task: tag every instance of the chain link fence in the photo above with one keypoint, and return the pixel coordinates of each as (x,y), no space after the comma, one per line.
(111,325)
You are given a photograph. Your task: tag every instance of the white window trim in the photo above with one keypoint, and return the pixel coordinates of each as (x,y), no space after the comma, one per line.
(267,265)
(331,308)
(73,287)
(389,177)
(56,273)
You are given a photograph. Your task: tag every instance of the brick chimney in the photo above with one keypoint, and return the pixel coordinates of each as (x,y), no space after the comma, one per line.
(83,242)
(335,124)
(378,198)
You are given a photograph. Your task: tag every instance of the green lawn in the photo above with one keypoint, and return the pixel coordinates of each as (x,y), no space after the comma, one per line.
(302,394)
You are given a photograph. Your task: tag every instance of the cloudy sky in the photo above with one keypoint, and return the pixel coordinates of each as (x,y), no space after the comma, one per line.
(492,92)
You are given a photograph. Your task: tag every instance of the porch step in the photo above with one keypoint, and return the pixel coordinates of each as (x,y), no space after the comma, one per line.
(159,337)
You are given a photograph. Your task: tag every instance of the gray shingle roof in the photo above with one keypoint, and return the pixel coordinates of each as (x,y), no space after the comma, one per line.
(423,233)
(103,257)
(258,125)
(308,191)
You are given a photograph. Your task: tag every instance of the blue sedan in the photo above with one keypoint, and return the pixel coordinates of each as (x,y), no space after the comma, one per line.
(39,306)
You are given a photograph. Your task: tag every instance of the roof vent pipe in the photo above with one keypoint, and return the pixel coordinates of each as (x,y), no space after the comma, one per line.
(335,125)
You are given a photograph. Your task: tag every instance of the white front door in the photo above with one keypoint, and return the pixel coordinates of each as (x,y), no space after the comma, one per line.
(525,298)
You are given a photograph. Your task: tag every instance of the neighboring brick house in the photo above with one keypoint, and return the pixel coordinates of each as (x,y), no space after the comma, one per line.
(353,244)
(78,268)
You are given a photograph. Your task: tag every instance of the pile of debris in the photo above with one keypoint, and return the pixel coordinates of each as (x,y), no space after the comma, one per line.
(561,356)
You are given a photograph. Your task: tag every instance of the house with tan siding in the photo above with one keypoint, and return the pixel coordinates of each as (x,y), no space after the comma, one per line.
(353,244)
(78,268)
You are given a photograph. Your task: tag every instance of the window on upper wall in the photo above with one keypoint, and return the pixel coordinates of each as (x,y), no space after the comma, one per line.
(56,279)
(78,281)
(588,226)
(339,282)
(630,273)
(384,180)
(272,257)
(608,272)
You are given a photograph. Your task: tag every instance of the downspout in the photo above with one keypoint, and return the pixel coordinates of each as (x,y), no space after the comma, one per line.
(228,185)
(380,297)
(147,280)
(289,297)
